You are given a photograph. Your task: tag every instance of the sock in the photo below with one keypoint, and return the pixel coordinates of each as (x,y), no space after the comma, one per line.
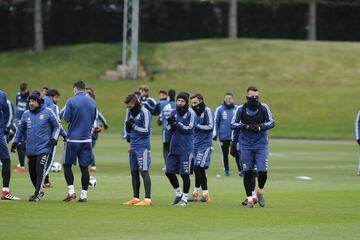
(205,192)
(5,189)
(178,192)
(147,200)
(184,197)
(83,194)
(71,189)
(196,189)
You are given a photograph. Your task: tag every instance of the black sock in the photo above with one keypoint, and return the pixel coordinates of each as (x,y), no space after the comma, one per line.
(197,176)
(69,176)
(173,180)
(147,183)
(85,177)
(21,153)
(6,172)
(262,179)
(249,183)
(204,185)
(135,183)
(225,151)
(186,182)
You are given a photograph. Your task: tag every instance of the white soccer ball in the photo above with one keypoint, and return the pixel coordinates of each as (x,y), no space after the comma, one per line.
(56,167)
(92,182)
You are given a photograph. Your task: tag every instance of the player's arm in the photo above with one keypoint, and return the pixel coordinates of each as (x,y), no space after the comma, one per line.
(216,122)
(54,122)
(21,128)
(269,120)
(10,115)
(102,119)
(357,128)
(68,111)
(145,124)
(236,123)
(156,111)
(187,129)
(125,135)
(210,122)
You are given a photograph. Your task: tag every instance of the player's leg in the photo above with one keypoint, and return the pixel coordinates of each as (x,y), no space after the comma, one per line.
(185,168)
(261,157)
(40,165)
(224,146)
(21,150)
(194,197)
(135,178)
(172,167)
(70,155)
(93,143)
(166,146)
(144,165)
(205,164)
(238,164)
(5,171)
(32,169)
(247,158)
(47,183)
(85,156)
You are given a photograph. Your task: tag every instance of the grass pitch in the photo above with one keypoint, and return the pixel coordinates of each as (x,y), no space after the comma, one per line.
(326,207)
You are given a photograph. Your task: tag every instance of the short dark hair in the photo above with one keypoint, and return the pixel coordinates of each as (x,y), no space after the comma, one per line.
(131,98)
(45,87)
(172,94)
(198,96)
(80,85)
(163,92)
(251,88)
(136,93)
(229,94)
(23,86)
(52,92)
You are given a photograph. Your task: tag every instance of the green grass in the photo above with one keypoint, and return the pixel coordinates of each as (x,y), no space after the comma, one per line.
(311,87)
(325,207)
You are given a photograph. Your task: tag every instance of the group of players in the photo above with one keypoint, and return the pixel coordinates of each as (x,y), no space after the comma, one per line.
(188,129)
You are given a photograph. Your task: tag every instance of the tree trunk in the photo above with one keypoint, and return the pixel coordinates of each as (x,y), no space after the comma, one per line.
(38,26)
(232,18)
(312,20)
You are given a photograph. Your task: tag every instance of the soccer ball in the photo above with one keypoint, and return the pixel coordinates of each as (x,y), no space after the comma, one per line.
(92,182)
(56,167)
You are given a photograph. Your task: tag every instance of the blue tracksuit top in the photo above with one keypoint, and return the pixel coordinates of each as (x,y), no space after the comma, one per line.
(80,113)
(11,113)
(248,139)
(125,134)
(50,104)
(140,134)
(165,114)
(21,105)
(222,120)
(357,126)
(203,130)
(4,111)
(182,136)
(38,128)
(149,103)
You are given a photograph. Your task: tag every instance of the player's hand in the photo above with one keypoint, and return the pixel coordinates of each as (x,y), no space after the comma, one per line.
(64,139)
(255,128)
(233,150)
(171,121)
(129,124)
(214,138)
(6,131)
(106,126)
(97,130)
(128,138)
(53,142)
(14,145)
(358,141)
(247,127)
(159,122)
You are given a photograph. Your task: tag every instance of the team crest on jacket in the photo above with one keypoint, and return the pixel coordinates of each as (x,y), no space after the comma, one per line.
(41,116)
(224,115)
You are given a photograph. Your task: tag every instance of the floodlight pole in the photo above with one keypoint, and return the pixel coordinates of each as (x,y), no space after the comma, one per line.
(130,39)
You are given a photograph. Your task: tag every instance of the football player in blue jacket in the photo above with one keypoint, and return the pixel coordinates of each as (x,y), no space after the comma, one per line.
(40,127)
(181,125)
(4,151)
(139,127)
(202,147)
(250,124)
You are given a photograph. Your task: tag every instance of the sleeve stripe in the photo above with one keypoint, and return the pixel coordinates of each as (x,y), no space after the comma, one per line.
(357,126)
(145,129)
(211,122)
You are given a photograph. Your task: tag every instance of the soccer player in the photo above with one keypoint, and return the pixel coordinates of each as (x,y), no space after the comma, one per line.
(181,125)
(80,113)
(21,107)
(139,127)
(202,147)
(357,135)
(43,92)
(148,102)
(125,134)
(222,129)
(4,151)
(250,125)
(96,127)
(40,127)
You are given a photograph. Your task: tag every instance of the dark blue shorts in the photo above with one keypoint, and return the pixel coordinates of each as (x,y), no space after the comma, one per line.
(74,151)
(139,159)
(202,157)
(4,151)
(179,163)
(251,157)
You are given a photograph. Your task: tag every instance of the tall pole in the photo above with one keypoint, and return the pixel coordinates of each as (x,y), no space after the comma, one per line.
(312,20)
(38,26)
(232,18)
(134,39)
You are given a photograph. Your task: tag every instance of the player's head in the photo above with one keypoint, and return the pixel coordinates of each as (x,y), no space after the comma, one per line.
(54,94)
(228,98)
(90,92)
(34,101)
(182,99)
(171,94)
(144,91)
(197,103)
(79,86)
(24,89)
(252,97)
(163,95)
(44,90)
(132,104)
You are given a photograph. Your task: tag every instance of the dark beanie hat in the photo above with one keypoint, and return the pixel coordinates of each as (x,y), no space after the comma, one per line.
(183,95)
(35,95)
